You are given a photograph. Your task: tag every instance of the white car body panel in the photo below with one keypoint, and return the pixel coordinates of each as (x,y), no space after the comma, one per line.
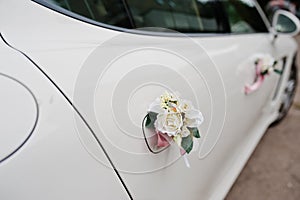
(17,104)
(62,46)
(52,164)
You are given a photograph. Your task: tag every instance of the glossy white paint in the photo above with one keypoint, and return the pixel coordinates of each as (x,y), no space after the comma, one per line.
(52,164)
(112,93)
(17,106)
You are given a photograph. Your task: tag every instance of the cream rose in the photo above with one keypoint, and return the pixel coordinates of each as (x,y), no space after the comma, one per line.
(193,118)
(185,106)
(185,131)
(266,63)
(169,123)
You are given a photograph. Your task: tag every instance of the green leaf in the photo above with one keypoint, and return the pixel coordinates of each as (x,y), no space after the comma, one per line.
(150,119)
(264,72)
(194,132)
(187,143)
(277,71)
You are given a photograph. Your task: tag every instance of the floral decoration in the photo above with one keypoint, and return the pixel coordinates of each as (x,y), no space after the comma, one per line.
(264,65)
(175,121)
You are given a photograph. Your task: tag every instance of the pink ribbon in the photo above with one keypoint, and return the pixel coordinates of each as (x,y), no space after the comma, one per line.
(258,80)
(162,140)
(182,151)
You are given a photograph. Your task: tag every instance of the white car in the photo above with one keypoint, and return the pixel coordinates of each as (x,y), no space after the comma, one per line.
(107,99)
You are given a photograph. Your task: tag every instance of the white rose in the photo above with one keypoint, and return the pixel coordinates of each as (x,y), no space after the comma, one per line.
(178,139)
(193,118)
(169,123)
(266,62)
(155,106)
(185,105)
(271,69)
(185,131)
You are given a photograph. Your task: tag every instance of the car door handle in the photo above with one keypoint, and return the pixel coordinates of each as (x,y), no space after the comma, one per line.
(264,66)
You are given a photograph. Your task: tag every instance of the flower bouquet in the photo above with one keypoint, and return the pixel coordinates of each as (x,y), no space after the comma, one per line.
(175,121)
(264,66)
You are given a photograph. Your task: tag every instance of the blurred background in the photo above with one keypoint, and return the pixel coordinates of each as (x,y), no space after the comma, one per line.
(273,171)
(272,5)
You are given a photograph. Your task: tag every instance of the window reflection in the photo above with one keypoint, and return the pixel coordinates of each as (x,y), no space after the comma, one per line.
(187,16)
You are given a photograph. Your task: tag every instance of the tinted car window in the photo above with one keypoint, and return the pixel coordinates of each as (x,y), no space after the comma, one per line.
(111,12)
(244,17)
(188,16)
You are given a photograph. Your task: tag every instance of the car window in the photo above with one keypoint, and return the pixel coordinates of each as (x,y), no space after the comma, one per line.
(110,12)
(187,16)
(244,17)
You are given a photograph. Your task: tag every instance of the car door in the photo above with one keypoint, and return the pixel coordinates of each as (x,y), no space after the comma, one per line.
(229,134)
(209,70)
(204,51)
